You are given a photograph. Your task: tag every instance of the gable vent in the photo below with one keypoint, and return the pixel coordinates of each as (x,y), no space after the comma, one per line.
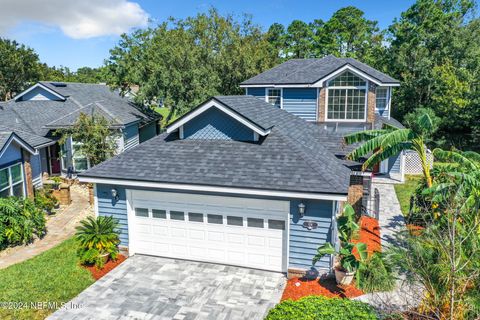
(58,84)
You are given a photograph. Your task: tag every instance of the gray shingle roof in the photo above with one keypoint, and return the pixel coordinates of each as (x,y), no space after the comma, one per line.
(92,109)
(309,71)
(34,119)
(290,158)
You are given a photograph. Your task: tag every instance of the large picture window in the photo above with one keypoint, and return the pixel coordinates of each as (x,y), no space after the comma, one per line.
(11,181)
(346,97)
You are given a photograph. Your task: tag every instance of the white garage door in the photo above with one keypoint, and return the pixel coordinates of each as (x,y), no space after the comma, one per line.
(227,230)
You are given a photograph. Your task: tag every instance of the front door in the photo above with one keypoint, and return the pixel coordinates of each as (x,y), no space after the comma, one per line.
(55,159)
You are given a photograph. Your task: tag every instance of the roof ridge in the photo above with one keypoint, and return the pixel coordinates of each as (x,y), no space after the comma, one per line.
(305,67)
(98,104)
(68,114)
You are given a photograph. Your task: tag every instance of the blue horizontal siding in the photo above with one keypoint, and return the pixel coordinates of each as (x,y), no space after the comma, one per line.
(256,92)
(215,124)
(394,164)
(302,102)
(12,154)
(117,209)
(303,242)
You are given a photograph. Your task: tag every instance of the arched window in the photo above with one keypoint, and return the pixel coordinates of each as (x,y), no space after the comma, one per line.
(347,97)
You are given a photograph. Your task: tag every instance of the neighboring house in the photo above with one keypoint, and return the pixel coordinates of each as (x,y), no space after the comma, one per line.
(28,121)
(239,181)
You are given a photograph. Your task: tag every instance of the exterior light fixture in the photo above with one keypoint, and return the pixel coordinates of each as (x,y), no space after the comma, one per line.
(301,209)
(115,194)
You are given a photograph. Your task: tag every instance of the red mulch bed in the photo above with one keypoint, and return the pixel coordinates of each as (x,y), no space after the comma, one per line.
(109,266)
(370,235)
(323,287)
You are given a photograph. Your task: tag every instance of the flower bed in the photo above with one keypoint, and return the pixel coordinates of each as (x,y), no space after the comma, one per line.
(109,266)
(297,288)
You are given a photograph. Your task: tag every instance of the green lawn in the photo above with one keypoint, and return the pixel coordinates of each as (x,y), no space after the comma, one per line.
(164,112)
(53,276)
(405,191)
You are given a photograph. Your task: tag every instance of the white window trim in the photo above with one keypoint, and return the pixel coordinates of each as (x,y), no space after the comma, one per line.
(365,87)
(281,95)
(73,157)
(387,101)
(10,182)
(347,67)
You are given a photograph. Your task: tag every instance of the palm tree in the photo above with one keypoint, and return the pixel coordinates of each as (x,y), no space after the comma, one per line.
(389,141)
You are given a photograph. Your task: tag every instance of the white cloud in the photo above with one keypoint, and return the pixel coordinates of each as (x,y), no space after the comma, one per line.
(78,19)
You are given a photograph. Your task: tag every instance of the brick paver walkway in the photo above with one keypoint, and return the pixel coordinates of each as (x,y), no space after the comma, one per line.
(59,227)
(391,219)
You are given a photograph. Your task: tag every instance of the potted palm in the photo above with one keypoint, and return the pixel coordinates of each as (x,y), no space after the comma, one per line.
(97,240)
(347,262)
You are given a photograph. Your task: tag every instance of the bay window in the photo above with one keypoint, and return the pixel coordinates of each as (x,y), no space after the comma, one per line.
(274,96)
(346,97)
(11,181)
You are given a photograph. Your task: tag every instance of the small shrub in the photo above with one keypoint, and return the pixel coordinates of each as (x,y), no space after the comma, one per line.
(20,221)
(319,308)
(45,200)
(375,275)
(98,240)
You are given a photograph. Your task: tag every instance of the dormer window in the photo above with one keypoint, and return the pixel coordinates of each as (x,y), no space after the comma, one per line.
(347,98)
(274,97)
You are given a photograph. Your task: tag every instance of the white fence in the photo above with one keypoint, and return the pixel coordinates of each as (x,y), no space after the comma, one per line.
(413,164)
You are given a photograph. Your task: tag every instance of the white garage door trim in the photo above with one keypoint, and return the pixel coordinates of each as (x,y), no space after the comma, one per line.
(208,204)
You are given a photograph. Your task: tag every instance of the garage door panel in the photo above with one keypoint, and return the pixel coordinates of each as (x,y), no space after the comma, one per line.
(275,243)
(235,256)
(235,238)
(178,232)
(256,241)
(215,236)
(206,234)
(196,234)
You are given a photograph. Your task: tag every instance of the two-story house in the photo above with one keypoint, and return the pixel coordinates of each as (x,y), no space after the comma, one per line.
(245,180)
(340,95)
(29,148)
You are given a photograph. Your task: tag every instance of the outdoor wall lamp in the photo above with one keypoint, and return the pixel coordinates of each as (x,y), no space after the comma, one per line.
(301,209)
(115,194)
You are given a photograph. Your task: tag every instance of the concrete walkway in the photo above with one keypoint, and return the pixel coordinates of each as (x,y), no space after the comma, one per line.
(59,227)
(391,219)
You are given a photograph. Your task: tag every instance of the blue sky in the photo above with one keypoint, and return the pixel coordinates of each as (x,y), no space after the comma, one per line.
(83,33)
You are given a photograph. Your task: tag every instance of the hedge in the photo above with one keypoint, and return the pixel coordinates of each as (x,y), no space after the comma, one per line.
(319,308)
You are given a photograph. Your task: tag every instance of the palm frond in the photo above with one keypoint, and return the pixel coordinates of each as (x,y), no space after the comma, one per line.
(363,136)
(381,142)
(453,156)
(425,122)
(383,154)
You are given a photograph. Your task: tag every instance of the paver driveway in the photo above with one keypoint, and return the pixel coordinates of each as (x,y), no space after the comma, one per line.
(145,287)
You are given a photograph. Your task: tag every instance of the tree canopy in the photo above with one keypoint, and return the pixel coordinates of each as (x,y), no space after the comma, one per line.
(433,48)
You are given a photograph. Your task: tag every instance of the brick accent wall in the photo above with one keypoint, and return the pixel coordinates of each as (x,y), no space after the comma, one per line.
(371,101)
(321,105)
(355,193)
(28,174)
